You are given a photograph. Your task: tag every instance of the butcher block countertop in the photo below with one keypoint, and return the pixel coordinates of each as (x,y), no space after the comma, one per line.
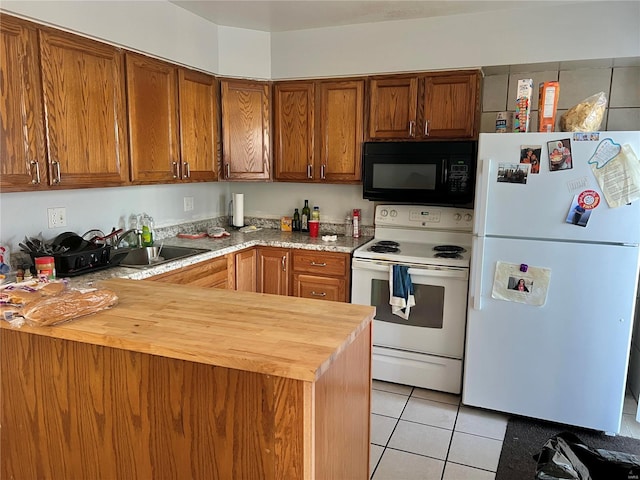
(284,336)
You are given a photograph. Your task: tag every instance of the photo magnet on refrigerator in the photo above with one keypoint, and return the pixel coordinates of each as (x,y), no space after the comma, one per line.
(581,207)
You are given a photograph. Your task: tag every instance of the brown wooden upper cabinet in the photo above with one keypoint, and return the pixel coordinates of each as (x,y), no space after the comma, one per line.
(153,119)
(84,102)
(23,164)
(426,106)
(318,130)
(245,129)
(199,126)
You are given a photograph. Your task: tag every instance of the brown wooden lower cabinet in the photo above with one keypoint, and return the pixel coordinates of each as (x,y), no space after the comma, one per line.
(245,270)
(214,273)
(320,288)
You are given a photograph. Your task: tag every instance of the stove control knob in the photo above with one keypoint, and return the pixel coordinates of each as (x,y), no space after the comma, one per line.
(467,217)
(384,212)
(394,213)
(457,217)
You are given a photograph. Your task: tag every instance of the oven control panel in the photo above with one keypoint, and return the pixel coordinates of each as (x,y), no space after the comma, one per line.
(424,216)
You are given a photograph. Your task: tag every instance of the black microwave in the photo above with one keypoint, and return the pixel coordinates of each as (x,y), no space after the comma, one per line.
(429,173)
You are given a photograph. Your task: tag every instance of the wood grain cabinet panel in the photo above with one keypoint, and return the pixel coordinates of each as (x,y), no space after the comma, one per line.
(319,288)
(273,270)
(153,119)
(212,273)
(199,126)
(321,275)
(246,123)
(393,107)
(318,130)
(84,98)
(245,270)
(23,165)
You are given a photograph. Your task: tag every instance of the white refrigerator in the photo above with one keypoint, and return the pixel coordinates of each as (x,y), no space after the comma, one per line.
(554,276)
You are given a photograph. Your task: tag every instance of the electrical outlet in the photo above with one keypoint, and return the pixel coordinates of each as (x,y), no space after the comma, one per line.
(57,217)
(188,204)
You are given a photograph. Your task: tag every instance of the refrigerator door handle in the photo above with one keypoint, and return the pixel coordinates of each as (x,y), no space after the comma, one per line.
(475,282)
(480,217)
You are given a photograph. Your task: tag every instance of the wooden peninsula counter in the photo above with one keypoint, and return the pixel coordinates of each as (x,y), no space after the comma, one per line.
(189,383)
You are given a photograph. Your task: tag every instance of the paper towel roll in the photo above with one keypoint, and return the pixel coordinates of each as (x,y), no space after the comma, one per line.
(238,209)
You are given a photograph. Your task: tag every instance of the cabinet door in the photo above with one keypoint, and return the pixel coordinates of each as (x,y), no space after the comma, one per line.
(273,270)
(319,288)
(340,130)
(392,107)
(83,87)
(22,156)
(450,106)
(245,268)
(153,120)
(245,130)
(199,127)
(293,126)
(212,273)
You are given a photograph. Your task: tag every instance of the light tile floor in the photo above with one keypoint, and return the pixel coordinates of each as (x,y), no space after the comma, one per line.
(423,434)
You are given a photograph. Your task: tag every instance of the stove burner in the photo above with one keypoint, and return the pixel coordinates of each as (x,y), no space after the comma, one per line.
(448,249)
(383,248)
(387,243)
(455,255)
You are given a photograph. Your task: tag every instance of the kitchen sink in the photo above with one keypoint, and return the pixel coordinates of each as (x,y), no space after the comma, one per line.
(146,257)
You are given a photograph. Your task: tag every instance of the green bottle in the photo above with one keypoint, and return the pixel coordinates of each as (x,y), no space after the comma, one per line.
(304,221)
(296,221)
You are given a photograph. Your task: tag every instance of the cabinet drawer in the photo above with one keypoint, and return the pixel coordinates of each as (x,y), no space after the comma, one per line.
(320,288)
(321,263)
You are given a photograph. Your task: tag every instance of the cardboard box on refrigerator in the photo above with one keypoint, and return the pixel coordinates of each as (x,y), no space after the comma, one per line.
(523,105)
(548,106)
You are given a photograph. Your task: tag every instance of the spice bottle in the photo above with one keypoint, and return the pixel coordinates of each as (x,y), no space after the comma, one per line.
(356,222)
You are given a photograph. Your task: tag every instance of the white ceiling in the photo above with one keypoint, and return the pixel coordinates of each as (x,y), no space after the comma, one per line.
(285,15)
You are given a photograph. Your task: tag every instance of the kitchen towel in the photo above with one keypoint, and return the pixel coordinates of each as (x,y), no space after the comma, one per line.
(401,296)
(238,210)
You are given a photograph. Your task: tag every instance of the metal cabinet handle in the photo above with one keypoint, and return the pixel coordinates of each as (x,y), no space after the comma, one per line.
(174,169)
(309,171)
(322,168)
(314,264)
(37,179)
(56,166)
(426,128)
(228,170)
(284,263)
(411,124)
(316,294)
(187,168)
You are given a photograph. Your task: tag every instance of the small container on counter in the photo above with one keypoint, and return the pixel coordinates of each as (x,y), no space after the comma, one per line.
(356,223)
(45,268)
(348,226)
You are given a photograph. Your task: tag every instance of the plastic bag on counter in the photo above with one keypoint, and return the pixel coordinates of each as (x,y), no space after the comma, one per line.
(586,116)
(67,305)
(565,456)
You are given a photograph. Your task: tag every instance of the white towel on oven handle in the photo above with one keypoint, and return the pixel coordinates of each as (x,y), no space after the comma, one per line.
(401,296)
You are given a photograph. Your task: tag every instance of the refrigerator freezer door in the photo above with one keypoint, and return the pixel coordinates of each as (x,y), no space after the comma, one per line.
(565,361)
(539,208)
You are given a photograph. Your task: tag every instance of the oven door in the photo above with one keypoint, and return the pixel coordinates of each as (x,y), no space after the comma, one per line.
(436,323)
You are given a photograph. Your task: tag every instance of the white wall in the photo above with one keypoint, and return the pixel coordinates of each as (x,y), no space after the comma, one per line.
(571,32)
(244,53)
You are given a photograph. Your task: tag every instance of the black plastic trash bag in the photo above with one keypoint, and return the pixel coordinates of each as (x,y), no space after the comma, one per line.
(564,456)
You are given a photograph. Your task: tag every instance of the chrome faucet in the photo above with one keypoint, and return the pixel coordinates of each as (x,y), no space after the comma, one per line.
(138,234)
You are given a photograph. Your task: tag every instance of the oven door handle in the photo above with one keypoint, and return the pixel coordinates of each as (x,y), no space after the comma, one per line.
(414,269)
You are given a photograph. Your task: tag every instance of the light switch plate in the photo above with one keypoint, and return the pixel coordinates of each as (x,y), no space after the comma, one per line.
(188,204)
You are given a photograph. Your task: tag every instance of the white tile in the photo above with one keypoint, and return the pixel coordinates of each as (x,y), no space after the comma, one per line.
(391,387)
(481,422)
(623,119)
(388,404)
(381,429)
(577,85)
(496,70)
(436,414)
(453,471)
(474,451)
(494,93)
(538,77)
(421,439)
(534,67)
(586,64)
(436,396)
(395,465)
(625,87)
(629,427)
(488,122)
(375,452)
(626,62)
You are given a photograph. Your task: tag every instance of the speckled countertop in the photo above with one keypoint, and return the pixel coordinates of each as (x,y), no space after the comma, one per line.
(217,247)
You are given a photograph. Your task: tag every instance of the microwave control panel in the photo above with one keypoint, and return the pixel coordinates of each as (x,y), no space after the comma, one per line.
(458,180)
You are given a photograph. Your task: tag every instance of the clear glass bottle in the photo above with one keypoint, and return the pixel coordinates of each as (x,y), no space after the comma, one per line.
(315,215)
(348,226)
